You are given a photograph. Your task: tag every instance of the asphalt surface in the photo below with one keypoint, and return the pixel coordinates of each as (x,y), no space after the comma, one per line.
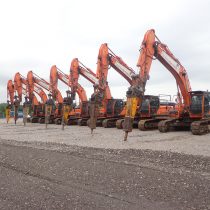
(52,176)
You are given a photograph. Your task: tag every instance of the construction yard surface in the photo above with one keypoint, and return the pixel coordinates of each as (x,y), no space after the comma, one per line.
(74,169)
(109,138)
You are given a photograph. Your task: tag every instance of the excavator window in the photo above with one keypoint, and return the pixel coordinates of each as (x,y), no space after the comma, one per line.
(145,106)
(196,104)
(150,104)
(118,106)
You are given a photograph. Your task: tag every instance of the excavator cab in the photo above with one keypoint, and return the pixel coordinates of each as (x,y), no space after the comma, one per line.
(200,103)
(150,106)
(114,107)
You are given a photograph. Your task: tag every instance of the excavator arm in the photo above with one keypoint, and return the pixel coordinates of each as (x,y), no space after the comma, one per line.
(56,94)
(67,106)
(107,58)
(121,67)
(56,74)
(18,84)
(21,86)
(10,91)
(41,93)
(76,69)
(36,83)
(33,79)
(172,64)
(10,99)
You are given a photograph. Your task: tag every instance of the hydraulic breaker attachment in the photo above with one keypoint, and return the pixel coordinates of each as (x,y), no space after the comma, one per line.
(7,111)
(134,98)
(131,107)
(26,108)
(8,114)
(94,109)
(67,107)
(16,106)
(66,110)
(95,102)
(48,109)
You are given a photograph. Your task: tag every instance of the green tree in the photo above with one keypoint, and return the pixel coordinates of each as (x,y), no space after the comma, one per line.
(3,107)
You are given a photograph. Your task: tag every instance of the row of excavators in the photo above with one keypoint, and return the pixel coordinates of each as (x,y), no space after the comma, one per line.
(190,110)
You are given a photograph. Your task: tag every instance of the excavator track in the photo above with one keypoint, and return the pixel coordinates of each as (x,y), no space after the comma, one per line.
(82,122)
(72,121)
(148,124)
(34,120)
(119,124)
(98,123)
(41,120)
(200,127)
(164,125)
(105,123)
(58,121)
(109,123)
(141,125)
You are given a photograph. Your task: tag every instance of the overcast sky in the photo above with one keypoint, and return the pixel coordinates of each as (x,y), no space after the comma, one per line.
(36,34)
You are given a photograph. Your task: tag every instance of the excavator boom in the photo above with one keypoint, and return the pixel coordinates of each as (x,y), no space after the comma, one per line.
(10,91)
(21,83)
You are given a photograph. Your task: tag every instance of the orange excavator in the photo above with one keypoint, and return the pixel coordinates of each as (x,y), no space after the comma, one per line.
(20,85)
(74,113)
(37,107)
(113,108)
(77,69)
(33,79)
(15,100)
(192,110)
(11,92)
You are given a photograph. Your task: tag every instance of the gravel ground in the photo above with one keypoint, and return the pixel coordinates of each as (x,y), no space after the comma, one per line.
(112,138)
(54,176)
(72,169)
